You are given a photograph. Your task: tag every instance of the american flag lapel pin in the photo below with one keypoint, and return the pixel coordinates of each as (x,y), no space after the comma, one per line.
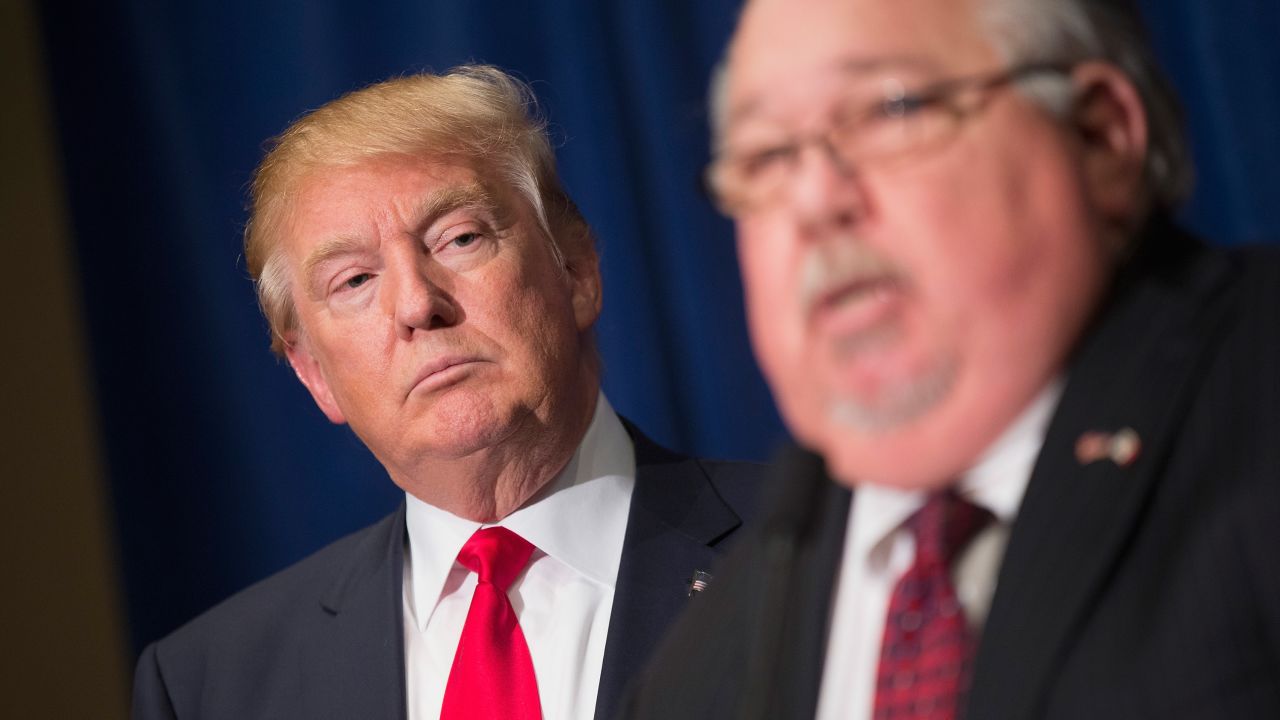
(1121,447)
(699,582)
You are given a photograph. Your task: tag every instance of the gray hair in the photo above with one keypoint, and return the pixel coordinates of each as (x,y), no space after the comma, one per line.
(1073,31)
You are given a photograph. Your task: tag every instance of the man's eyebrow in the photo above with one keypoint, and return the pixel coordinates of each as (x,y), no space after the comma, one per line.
(850,66)
(328,250)
(472,196)
(855,66)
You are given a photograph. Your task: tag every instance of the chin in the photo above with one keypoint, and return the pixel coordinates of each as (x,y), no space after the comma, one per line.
(464,422)
(896,445)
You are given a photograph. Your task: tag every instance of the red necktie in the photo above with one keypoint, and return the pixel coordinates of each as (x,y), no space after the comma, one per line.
(927,648)
(492,676)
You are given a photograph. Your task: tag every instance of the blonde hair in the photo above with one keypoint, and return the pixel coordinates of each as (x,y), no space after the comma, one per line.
(476,112)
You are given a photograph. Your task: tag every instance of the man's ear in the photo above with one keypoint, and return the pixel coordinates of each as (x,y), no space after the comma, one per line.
(308,370)
(1112,123)
(583,268)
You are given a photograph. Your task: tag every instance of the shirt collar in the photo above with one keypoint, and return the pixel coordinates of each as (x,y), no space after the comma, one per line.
(996,482)
(999,479)
(579,518)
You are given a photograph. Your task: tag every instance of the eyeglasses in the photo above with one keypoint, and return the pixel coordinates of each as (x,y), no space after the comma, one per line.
(899,125)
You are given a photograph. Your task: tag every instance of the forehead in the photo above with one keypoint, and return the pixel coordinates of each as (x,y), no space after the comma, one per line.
(382,191)
(785,50)
(390,179)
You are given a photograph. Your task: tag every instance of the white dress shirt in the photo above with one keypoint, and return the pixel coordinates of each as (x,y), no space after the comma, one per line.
(878,550)
(563,599)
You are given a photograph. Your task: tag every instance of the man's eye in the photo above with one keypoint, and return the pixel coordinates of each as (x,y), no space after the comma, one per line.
(907,105)
(457,240)
(356,281)
(759,162)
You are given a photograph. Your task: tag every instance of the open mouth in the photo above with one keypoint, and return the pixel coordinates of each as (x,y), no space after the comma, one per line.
(856,306)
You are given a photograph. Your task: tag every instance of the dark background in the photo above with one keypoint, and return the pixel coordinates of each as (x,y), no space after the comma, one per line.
(218,467)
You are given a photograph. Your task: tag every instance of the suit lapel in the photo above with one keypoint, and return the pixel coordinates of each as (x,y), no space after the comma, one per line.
(805,584)
(676,518)
(1076,517)
(355,667)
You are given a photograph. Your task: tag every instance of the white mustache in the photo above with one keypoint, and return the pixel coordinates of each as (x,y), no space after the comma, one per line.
(838,263)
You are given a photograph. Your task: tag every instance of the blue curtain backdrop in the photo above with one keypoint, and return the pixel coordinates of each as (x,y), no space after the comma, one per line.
(222,470)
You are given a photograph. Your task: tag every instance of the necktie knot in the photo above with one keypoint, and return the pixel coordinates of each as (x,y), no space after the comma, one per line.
(945,525)
(496,555)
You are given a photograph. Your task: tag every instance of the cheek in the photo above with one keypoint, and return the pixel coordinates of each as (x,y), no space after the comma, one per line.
(771,314)
(1007,273)
(364,347)
(530,315)
(768,257)
(983,246)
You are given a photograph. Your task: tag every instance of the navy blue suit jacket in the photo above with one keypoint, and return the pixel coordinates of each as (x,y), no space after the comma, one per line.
(324,638)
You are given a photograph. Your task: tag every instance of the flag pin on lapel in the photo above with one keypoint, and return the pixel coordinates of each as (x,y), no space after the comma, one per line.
(699,582)
(1120,447)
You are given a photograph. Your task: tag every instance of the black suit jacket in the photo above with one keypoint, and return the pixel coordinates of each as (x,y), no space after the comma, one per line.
(324,638)
(1145,591)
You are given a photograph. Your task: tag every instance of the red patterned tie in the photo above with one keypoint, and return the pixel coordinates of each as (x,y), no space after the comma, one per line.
(492,675)
(927,648)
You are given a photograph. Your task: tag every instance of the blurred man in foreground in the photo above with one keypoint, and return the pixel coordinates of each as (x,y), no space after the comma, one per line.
(432,286)
(1051,417)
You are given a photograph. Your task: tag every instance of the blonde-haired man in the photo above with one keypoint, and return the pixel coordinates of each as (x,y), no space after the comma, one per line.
(432,285)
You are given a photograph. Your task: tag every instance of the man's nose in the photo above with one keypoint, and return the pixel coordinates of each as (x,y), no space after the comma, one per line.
(827,192)
(421,303)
